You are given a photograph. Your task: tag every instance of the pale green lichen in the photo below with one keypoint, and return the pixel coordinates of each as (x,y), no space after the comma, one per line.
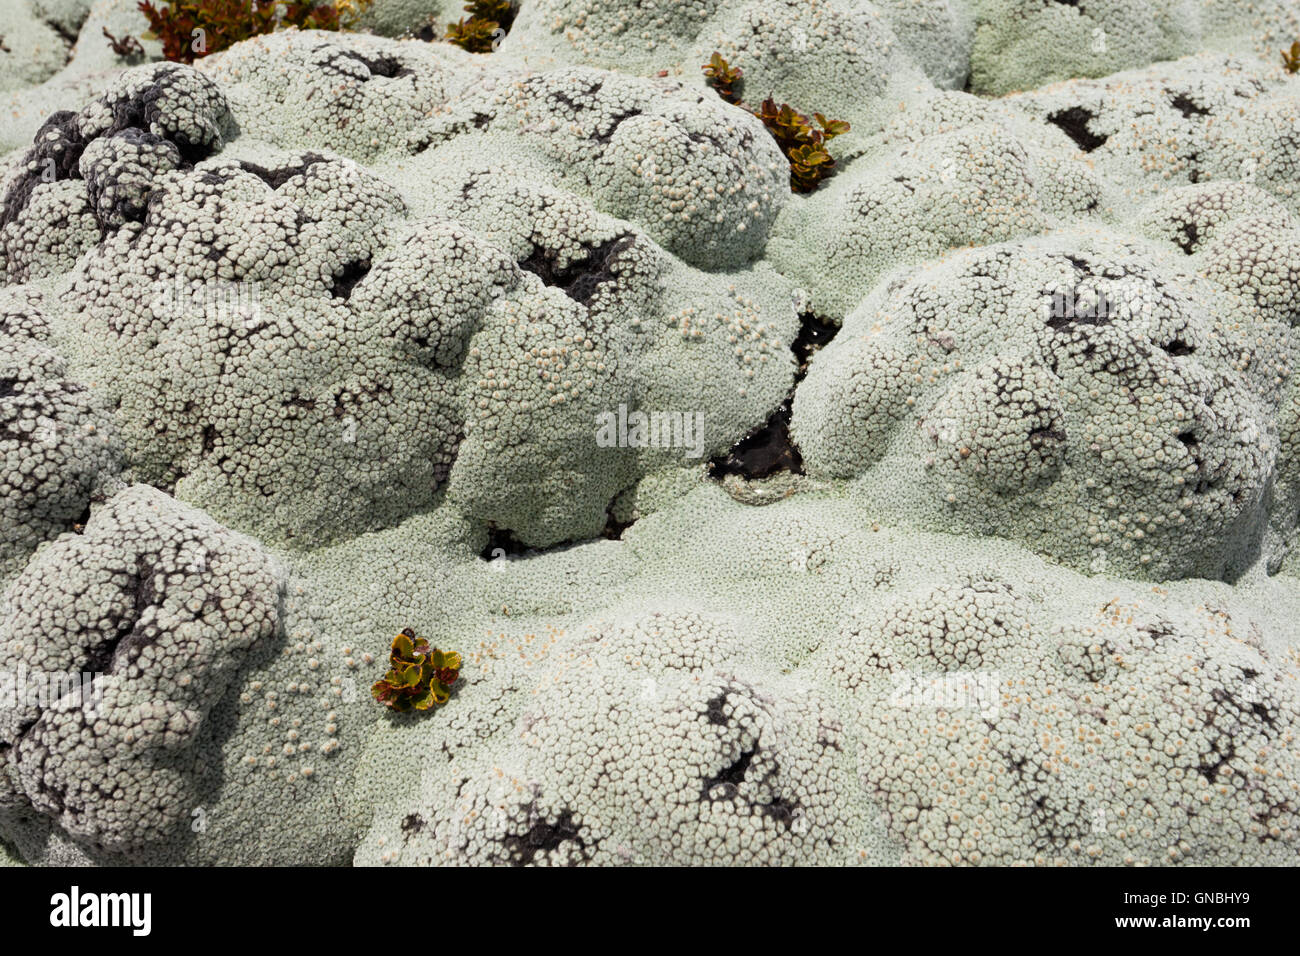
(981,547)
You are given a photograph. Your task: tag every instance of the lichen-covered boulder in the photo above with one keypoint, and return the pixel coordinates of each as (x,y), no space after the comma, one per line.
(60,451)
(1074,376)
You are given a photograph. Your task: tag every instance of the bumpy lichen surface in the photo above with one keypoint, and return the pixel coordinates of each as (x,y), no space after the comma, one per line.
(946,514)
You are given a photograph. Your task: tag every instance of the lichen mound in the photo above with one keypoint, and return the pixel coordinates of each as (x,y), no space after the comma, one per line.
(944,513)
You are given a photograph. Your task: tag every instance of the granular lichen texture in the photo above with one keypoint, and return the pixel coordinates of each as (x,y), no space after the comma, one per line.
(777,431)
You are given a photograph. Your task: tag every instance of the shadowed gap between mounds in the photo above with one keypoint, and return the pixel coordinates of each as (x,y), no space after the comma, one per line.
(769,449)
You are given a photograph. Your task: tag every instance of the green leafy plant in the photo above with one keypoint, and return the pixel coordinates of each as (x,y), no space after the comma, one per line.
(723,77)
(803,140)
(803,143)
(419,676)
(191,29)
(488,22)
(1291,58)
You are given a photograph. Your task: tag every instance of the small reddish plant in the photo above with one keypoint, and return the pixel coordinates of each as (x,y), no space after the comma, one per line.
(127,47)
(191,29)
(802,140)
(419,676)
(723,77)
(482,30)
(803,143)
(1291,58)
